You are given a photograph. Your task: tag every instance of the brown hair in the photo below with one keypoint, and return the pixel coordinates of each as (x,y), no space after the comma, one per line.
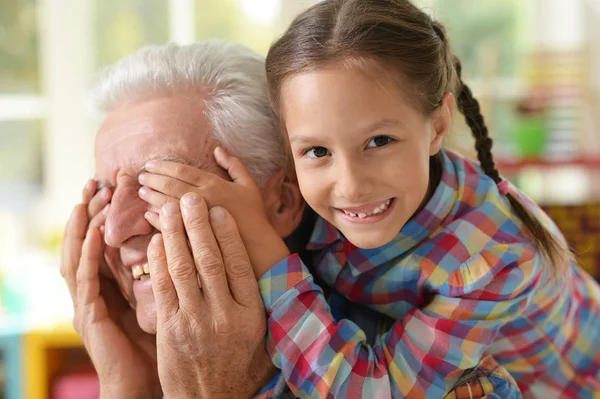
(397,35)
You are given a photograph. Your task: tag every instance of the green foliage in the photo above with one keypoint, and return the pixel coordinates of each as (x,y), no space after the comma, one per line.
(477,26)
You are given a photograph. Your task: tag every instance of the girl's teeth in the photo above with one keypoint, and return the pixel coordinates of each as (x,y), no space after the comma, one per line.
(146,268)
(380,209)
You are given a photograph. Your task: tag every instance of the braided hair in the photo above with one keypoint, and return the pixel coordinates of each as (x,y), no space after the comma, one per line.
(468,105)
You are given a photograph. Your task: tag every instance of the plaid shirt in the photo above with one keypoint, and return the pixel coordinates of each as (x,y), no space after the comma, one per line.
(460,279)
(488,380)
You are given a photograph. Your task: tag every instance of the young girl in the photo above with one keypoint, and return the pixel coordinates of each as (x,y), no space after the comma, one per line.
(462,261)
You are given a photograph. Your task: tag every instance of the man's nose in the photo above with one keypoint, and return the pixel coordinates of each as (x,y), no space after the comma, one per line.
(125,217)
(354,183)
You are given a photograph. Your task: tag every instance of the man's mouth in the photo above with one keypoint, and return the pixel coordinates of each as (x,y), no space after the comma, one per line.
(139,271)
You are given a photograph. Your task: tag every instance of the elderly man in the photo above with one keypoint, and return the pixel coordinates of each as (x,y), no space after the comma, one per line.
(177,103)
(205,338)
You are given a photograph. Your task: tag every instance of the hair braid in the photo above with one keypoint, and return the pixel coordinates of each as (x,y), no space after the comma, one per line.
(556,251)
(470,108)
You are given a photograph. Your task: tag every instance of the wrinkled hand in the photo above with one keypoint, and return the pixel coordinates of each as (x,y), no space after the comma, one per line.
(167,181)
(210,340)
(123,355)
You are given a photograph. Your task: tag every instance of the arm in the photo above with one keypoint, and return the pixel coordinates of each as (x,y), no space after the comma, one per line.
(422,355)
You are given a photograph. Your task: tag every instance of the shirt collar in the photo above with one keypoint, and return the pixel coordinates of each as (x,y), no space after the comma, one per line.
(413,232)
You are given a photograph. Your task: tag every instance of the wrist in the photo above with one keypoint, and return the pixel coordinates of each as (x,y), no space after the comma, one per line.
(111,391)
(271,251)
(265,247)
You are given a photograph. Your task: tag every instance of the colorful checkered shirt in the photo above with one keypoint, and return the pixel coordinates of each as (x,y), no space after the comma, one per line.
(488,380)
(460,279)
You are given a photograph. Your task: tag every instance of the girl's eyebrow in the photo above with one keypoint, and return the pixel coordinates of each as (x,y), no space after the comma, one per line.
(301,139)
(380,124)
(383,123)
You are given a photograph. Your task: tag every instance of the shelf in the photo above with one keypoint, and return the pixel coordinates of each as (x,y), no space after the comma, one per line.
(582,162)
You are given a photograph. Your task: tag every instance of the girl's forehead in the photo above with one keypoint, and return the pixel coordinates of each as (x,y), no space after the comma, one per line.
(329,93)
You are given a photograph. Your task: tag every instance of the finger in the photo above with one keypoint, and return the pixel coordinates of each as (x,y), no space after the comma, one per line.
(240,275)
(115,301)
(179,259)
(71,248)
(153,219)
(100,218)
(234,167)
(88,191)
(119,273)
(165,185)
(98,202)
(155,198)
(88,279)
(205,250)
(179,171)
(165,294)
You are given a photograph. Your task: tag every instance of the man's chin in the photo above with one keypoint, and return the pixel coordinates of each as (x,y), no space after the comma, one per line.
(146,317)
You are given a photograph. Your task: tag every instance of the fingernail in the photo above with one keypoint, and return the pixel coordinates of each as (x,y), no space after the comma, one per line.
(142,177)
(143,191)
(217,214)
(105,210)
(170,208)
(150,164)
(190,199)
(102,230)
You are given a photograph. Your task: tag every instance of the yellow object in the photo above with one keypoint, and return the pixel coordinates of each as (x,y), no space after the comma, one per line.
(42,359)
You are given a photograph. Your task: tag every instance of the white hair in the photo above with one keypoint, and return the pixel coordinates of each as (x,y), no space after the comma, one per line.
(233,79)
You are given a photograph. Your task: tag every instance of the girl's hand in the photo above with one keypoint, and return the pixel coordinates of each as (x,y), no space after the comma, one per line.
(166,181)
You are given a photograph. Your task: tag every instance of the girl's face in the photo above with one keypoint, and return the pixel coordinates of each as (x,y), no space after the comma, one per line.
(361,150)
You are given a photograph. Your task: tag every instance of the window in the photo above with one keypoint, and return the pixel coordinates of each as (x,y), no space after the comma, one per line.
(18,47)
(489,40)
(123,26)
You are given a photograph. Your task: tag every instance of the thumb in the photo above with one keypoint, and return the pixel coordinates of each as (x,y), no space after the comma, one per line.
(236,169)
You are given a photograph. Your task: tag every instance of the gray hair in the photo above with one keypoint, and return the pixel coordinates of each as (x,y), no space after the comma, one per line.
(233,76)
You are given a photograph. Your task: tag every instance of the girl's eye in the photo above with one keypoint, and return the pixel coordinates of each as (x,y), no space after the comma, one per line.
(317,152)
(379,141)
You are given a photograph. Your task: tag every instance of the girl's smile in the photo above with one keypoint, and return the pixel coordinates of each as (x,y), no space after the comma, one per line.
(371,213)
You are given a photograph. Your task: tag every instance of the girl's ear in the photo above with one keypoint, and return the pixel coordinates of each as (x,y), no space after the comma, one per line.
(283,203)
(442,122)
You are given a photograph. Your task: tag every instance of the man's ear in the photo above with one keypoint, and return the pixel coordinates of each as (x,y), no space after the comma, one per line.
(283,203)
(441,122)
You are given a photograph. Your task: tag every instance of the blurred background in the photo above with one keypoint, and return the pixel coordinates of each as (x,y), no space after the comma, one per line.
(534,65)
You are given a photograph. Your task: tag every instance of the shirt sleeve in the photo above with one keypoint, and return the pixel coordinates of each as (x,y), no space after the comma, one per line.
(268,391)
(421,356)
